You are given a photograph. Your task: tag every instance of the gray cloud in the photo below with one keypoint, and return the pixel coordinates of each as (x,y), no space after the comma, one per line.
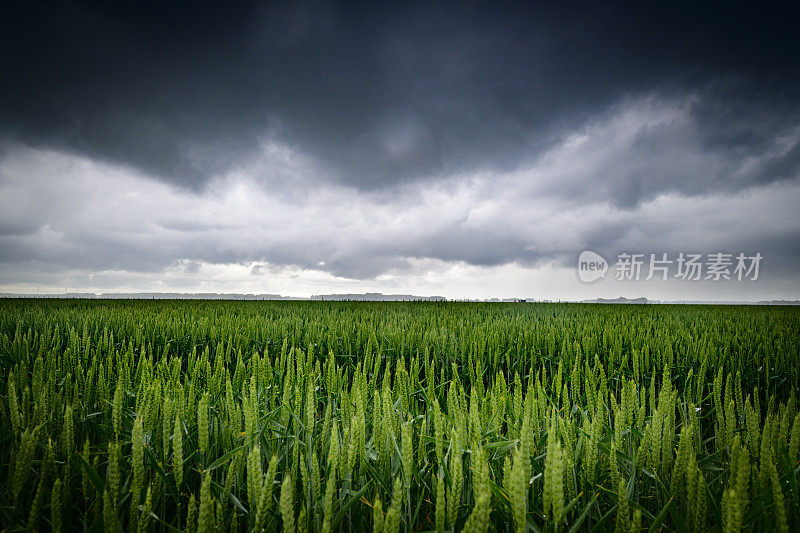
(102,217)
(382,95)
(307,140)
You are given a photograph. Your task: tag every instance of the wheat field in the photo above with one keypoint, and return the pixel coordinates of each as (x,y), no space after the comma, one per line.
(388,417)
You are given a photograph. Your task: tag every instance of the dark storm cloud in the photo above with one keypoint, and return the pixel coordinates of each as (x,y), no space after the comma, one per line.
(194,140)
(382,94)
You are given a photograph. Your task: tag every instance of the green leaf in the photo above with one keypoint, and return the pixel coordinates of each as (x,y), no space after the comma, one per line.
(79,461)
(224,459)
(348,504)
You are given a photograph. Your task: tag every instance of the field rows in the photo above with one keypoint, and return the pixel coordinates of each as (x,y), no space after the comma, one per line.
(320,416)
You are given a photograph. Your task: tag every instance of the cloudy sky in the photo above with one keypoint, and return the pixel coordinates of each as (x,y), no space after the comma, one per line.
(464,149)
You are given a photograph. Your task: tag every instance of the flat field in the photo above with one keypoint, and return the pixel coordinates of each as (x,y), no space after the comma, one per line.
(322,416)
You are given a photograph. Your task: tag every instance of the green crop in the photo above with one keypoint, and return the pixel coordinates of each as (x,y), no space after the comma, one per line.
(323,416)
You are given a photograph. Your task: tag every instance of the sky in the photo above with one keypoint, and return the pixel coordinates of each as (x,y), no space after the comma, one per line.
(465,149)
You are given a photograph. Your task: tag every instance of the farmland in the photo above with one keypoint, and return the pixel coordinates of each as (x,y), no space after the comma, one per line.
(387,417)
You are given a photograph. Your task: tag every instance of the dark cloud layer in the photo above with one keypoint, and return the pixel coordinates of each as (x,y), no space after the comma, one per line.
(380,94)
(209,143)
